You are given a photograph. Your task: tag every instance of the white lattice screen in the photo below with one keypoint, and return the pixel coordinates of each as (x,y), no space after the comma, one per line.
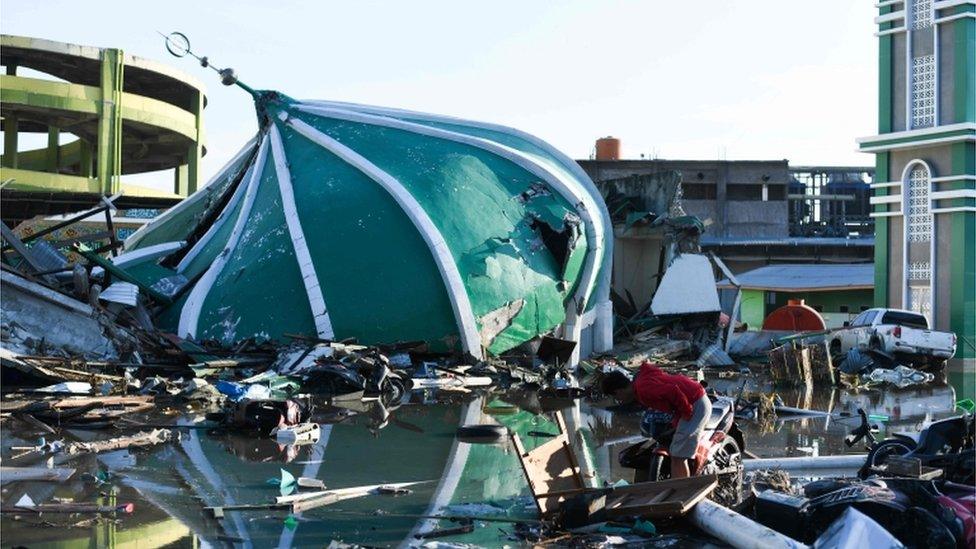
(919,214)
(920,270)
(920,300)
(923,91)
(921,14)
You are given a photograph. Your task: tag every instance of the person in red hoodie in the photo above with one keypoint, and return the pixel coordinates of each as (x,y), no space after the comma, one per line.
(682,397)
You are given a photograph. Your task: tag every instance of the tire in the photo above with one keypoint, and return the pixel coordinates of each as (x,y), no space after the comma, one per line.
(659,469)
(482,434)
(393,389)
(881,451)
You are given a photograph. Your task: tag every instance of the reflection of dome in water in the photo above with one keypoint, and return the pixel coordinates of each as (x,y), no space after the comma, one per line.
(342,220)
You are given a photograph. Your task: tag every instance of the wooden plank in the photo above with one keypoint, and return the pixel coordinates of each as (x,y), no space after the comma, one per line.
(665,498)
(14,474)
(551,469)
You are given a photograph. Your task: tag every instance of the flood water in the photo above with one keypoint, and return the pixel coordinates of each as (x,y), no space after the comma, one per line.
(364,444)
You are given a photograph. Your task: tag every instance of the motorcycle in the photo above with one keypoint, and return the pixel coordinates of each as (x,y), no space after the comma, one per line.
(719,451)
(947,444)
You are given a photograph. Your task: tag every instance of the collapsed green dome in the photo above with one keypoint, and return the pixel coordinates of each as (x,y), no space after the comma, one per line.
(340,220)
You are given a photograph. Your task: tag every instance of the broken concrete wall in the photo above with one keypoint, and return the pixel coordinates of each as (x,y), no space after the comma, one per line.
(36,319)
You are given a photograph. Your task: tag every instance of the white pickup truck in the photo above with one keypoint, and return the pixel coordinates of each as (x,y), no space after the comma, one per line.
(893,331)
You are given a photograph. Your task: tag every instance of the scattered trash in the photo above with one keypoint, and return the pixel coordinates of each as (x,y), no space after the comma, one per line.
(88,372)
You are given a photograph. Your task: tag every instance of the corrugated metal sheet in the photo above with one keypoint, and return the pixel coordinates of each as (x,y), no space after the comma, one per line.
(806,277)
(121,292)
(688,287)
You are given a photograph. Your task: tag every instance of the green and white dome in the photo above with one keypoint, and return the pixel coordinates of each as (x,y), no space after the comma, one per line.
(341,220)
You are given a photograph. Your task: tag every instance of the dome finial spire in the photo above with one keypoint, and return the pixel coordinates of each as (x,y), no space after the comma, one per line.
(178,45)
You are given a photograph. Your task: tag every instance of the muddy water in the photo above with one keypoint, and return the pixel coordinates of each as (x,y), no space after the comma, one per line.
(362,445)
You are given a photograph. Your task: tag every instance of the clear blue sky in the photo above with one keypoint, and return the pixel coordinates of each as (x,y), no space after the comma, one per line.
(762,79)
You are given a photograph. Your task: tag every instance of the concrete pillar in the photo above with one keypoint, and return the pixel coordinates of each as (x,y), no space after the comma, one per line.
(181,184)
(10,141)
(10,131)
(109,164)
(195,152)
(721,188)
(85,159)
(603,327)
(52,161)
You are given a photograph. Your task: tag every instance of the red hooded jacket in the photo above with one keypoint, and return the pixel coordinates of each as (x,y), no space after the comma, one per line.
(665,392)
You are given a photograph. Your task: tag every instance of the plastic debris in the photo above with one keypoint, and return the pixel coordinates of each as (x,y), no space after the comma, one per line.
(25,501)
(67,388)
(644,528)
(305,433)
(901,376)
(855,529)
(238,391)
(287,484)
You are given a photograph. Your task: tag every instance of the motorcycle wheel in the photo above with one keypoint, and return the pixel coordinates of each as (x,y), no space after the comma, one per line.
(727,464)
(659,469)
(882,451)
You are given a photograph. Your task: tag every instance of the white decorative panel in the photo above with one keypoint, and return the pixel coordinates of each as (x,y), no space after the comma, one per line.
(919,214)
(920,300)
(921,14)
(920,270)
(923,91)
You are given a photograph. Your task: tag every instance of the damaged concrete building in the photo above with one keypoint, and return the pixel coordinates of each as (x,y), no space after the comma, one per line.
(744,208)
(340,220)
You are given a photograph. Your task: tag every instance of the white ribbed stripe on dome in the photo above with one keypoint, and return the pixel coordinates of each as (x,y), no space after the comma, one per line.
(148,253)
(157,221)
(190,315)
(471,414)
(458,294)
(320,313)
(215,226)
(581,200)
(567,162)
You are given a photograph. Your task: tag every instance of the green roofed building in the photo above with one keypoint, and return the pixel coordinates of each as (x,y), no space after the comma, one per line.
(924,201)
(340,220)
